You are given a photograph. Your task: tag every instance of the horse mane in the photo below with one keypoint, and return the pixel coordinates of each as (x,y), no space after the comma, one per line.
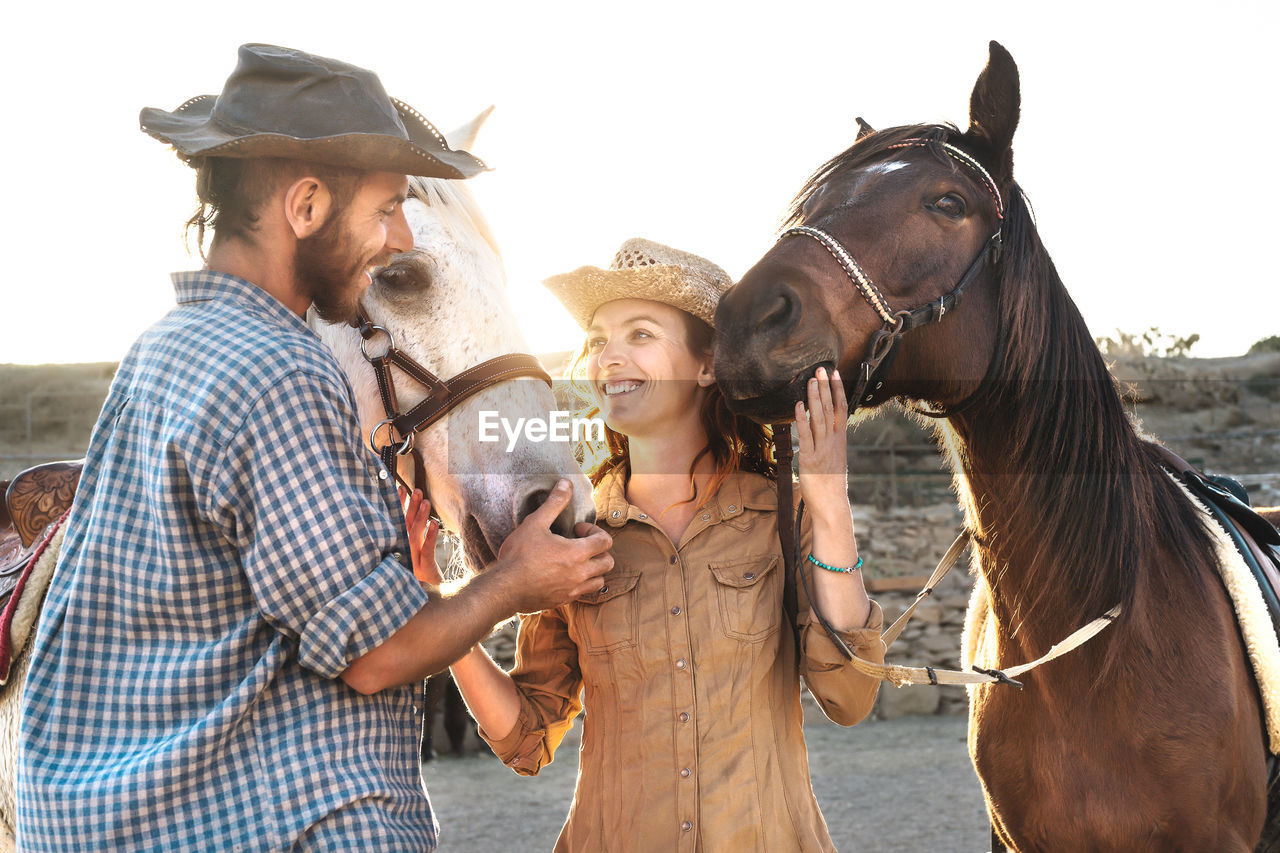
(458,208)
(1107,518)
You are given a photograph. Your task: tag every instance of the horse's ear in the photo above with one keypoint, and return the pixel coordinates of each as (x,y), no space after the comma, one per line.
(864,129)
(994,106)
(465,137)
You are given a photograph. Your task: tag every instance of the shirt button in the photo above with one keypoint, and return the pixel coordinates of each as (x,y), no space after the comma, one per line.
(382,473)
(680,663)
(604,589)
(705,516)
(642,515)
(675,611)
(732,508)
(615,513)
(684,771)
(748,575)
(687,825)
(684,716)
(674,559)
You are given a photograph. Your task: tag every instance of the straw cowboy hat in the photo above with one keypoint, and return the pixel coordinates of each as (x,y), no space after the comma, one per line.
(285,103)
(643,269)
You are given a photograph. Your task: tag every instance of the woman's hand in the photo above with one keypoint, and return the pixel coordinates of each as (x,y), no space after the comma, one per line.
(823,454)
(423,532)
(824,482)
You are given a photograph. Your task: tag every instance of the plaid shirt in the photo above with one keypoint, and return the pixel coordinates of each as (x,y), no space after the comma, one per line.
(232,548)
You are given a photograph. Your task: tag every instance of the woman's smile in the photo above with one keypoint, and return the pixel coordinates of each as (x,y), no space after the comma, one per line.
(618,387)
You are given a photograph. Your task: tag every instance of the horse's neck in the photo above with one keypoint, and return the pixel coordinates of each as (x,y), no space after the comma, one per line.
(1013,500)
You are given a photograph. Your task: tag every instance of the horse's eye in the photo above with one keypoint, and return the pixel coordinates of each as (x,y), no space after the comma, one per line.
(950,205)
(405,277)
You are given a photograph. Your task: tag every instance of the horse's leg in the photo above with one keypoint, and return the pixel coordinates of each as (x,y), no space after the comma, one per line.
(456,717)
(1270,841)
(433,692)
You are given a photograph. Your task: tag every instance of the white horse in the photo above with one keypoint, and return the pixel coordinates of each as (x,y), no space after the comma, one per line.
(447,308)
(445,304)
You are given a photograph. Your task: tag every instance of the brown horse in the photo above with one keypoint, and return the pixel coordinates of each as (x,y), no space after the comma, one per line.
(1148,737)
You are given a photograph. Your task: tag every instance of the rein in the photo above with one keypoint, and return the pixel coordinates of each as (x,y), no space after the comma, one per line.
(442,395)
(881,352)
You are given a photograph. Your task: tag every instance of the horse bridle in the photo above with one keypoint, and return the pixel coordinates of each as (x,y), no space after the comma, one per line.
(881,352)
(442,395)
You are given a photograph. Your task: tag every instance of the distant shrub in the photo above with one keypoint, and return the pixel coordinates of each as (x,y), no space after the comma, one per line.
(1271,344)
(1152,342)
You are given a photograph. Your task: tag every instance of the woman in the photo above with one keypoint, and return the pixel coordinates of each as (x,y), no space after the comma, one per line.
(692,737)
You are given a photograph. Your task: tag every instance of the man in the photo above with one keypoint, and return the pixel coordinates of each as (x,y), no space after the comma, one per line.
(225,651)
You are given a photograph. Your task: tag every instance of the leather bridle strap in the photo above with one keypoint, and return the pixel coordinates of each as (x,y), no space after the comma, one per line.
(442,395)
(787,529)
(880,352)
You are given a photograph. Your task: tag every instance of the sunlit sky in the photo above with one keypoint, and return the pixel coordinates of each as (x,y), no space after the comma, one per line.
(1147,142)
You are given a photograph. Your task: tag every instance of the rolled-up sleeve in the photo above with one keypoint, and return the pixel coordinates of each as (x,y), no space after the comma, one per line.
(316,524)
(845,694)
(549,682)
(342,631)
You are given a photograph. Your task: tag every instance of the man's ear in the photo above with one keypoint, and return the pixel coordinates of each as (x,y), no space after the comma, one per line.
(306,206)
(707,372)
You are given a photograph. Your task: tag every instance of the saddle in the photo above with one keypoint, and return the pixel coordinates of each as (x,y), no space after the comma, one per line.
(1255,537)
(1258,541)
(35,502)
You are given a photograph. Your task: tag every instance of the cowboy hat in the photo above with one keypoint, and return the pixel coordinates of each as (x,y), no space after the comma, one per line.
(285,103)
(643,269)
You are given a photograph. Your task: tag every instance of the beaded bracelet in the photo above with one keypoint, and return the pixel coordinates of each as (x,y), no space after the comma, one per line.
(822,565)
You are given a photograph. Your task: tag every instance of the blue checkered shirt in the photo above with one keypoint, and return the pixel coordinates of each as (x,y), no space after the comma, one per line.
(233,546)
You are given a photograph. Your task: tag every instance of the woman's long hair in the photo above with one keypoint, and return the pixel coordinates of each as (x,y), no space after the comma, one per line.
(733,442)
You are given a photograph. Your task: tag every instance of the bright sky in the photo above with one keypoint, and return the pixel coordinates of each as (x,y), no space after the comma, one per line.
(1147,142)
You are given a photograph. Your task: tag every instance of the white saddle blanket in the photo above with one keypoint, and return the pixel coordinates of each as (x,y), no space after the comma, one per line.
(1255,622)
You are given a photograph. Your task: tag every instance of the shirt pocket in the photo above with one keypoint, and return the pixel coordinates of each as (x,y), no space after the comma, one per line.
(608,618)
(749,595)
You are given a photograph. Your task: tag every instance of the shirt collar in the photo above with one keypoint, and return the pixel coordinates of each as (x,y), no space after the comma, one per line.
(741,490)
(208,286)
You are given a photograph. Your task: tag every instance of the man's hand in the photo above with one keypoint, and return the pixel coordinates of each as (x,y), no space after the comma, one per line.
(542,569)
(535,570)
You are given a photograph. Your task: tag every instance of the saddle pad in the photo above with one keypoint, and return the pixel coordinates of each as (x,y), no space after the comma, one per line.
(22,608)
(1252,616)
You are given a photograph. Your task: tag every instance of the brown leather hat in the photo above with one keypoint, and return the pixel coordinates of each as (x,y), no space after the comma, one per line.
(285,103)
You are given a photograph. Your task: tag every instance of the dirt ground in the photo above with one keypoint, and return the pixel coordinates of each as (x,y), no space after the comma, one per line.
(884,786)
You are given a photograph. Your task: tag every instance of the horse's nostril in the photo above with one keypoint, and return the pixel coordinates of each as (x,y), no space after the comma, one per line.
(783,309)
(532,501)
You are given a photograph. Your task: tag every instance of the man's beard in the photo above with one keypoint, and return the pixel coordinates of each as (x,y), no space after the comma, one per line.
(328,270)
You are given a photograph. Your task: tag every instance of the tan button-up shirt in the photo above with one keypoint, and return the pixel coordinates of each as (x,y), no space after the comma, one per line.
(692,737)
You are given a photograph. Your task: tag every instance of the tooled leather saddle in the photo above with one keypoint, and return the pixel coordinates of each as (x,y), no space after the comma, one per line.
(34,501)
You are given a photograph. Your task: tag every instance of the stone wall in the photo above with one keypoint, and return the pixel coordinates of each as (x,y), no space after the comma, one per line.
(901,548)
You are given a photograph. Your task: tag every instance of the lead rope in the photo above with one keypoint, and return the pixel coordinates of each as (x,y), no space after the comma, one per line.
(899,676)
